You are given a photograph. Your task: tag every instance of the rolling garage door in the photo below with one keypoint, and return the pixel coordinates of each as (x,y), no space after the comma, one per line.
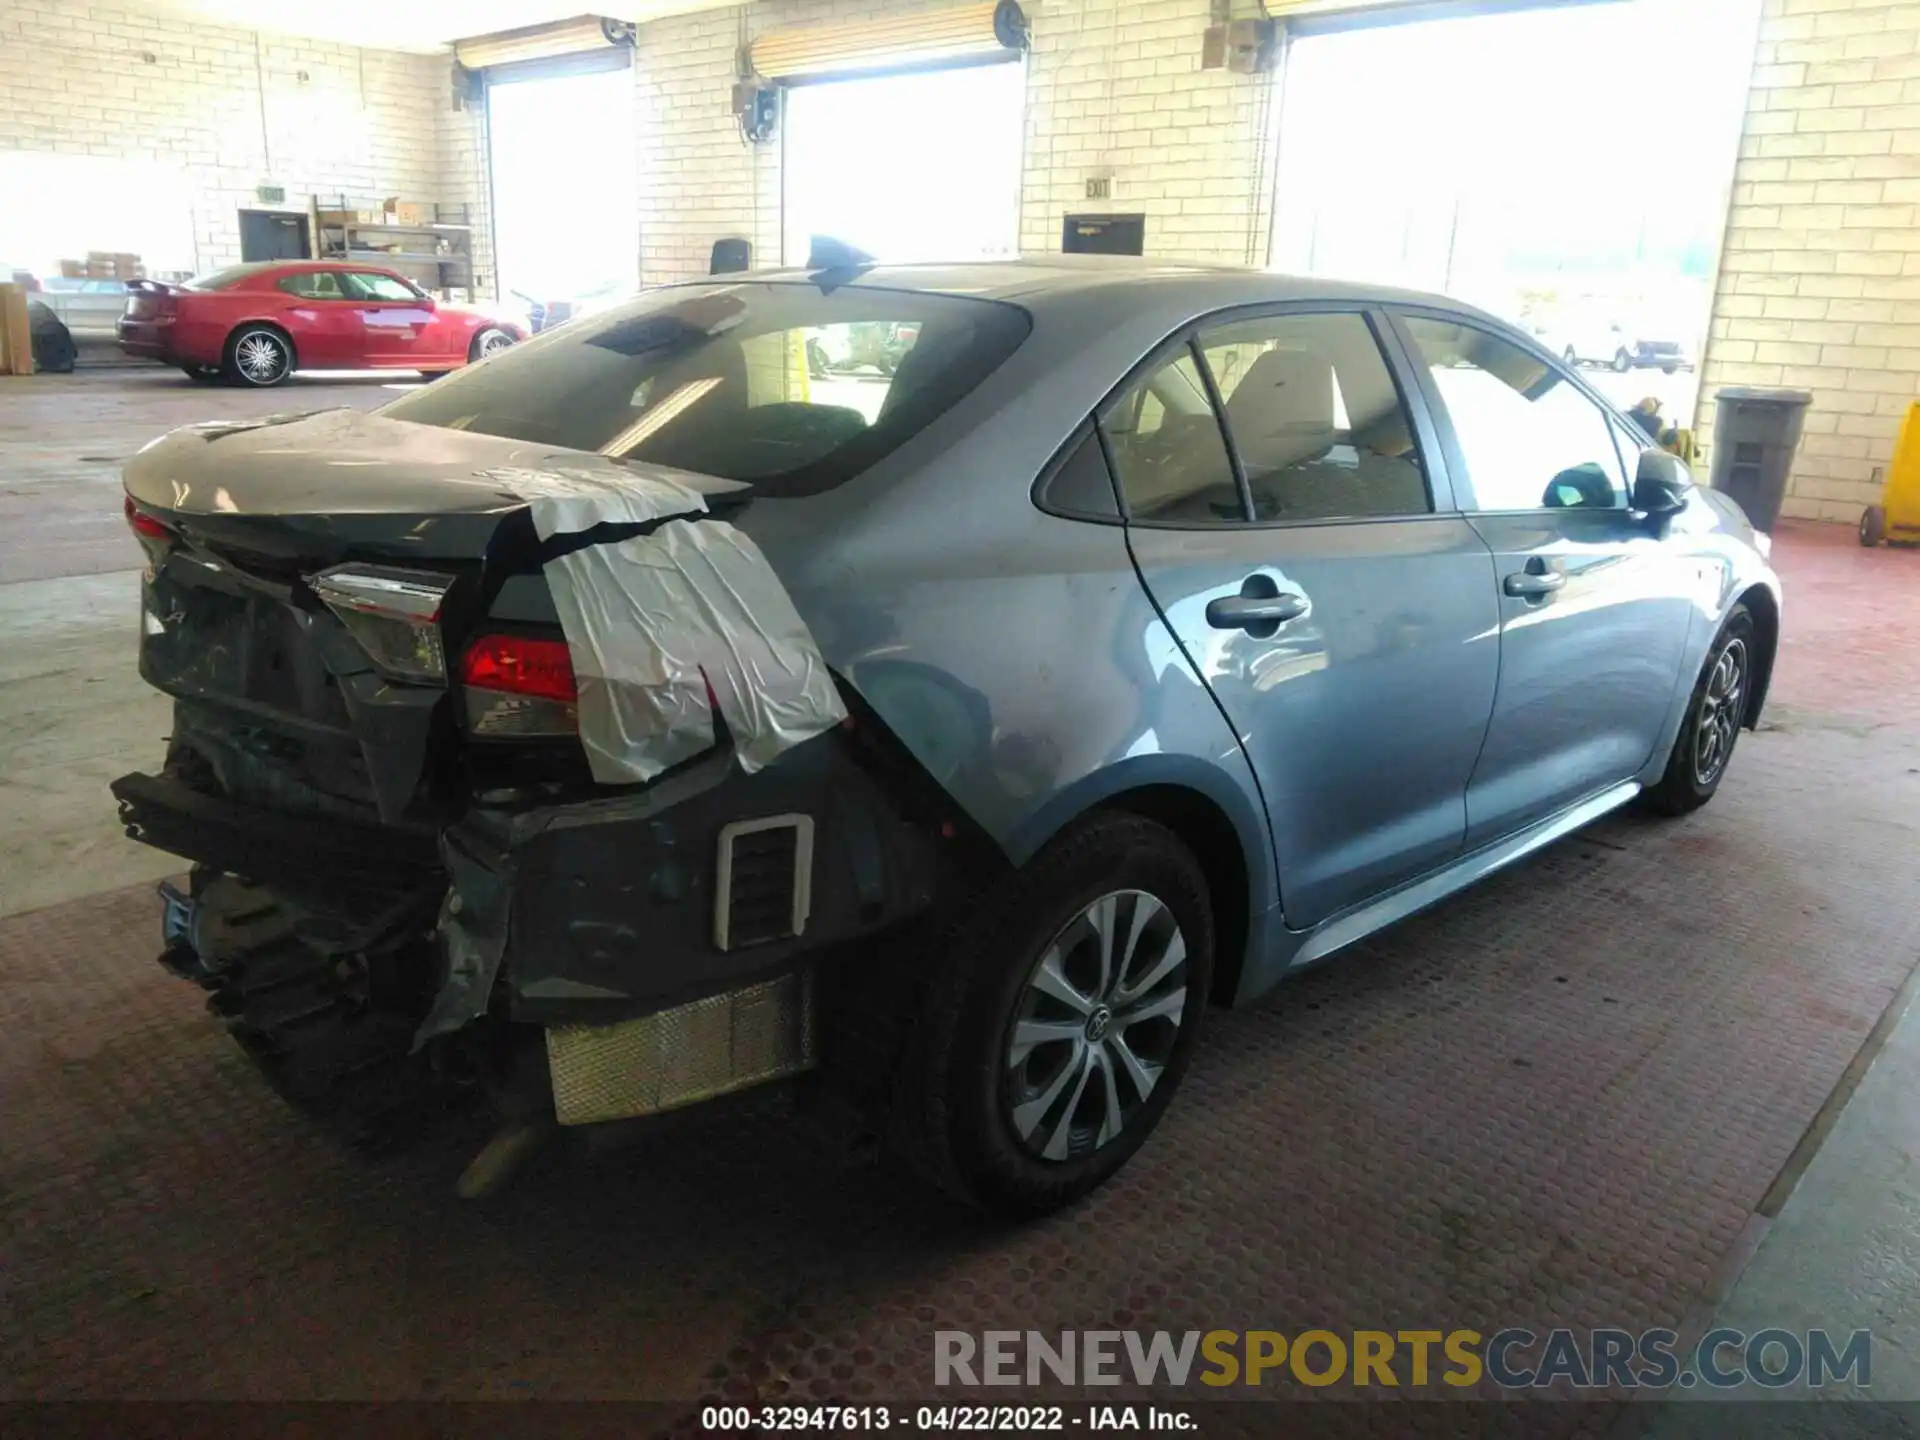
(902,135)
(563,159)
(1566,166)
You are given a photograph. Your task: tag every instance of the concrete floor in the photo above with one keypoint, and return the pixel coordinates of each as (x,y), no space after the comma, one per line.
(1568,1097)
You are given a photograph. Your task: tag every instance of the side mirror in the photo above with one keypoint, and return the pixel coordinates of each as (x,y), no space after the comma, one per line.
(1660,483)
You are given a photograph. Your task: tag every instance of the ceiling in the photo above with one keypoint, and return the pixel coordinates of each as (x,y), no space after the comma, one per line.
(423,25)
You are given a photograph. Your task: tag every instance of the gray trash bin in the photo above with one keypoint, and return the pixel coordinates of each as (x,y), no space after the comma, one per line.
(1755,433)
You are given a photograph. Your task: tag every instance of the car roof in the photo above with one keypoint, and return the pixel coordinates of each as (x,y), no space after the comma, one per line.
(1032,280)
(297,267)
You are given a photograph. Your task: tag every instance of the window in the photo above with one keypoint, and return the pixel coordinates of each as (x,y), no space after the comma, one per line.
(366,285)
(1080,486)
(1168,452)
(313,285)
(1316,419)
(1632,441)
(1529,438)
(725,379)
(228,278)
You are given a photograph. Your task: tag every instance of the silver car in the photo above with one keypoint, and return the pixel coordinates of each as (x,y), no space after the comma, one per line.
(643,714)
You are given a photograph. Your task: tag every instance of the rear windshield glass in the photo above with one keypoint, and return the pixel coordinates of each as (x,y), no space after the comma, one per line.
(780,384)
(223,279)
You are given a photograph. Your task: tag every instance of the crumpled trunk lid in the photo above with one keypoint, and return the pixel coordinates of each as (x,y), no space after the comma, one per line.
(670,614)
(337,483)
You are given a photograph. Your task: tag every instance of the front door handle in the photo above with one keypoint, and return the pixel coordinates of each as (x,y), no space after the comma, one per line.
(1534,585)
(1250,612)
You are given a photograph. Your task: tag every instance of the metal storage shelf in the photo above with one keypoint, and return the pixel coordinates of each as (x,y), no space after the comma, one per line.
(335,237)
(414,256)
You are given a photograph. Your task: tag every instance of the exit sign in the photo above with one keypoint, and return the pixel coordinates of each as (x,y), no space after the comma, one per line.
(271,195)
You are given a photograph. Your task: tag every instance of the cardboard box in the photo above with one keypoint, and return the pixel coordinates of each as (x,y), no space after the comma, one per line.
(73,270)
(16,332)
(408,213)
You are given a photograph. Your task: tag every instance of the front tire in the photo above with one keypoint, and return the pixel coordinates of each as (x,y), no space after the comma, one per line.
(1622,362)
(490,341)
(1715,713)
(259,356)
(1571,357)
(1873,526)
(1063,1012)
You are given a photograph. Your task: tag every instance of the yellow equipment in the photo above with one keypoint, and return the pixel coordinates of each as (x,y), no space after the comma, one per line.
(1896,518)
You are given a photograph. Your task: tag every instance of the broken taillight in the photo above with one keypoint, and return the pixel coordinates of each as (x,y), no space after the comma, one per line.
(155,538)
(144,525)
(394,614)
(520,685)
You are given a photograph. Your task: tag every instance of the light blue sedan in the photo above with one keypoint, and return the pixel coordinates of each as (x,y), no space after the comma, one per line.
(661,714)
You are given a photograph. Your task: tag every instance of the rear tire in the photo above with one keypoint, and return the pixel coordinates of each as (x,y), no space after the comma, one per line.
(1716,711)
(1038,1066)
(1873,526)
(1571,357)
(259,356)
(1622,362)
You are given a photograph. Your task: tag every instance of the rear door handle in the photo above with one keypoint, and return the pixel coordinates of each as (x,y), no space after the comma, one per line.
(1249,612)
(1529,585)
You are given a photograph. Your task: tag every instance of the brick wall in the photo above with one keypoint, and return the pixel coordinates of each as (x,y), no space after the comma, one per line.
(1114,87)
(225,107)
(1819,285)
(460,169)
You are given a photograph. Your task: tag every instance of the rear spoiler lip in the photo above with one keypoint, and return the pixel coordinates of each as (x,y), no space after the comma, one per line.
(159,287)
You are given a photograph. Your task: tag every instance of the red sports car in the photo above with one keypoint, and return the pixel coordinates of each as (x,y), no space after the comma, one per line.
(256,324)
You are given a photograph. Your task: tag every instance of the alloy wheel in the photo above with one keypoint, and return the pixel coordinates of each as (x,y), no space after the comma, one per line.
(260,358)
(1721,704)
(493,342)
(1095,1025)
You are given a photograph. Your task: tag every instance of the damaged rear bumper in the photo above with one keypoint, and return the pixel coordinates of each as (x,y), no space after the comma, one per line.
(301,855)
(666,940)
(706,881)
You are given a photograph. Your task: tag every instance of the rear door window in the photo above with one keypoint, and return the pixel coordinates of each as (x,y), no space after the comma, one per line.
(786,385)
(1316,418)
(1168,452)
(313,285)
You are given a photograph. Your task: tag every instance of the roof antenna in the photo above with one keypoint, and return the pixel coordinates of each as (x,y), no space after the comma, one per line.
(828,253)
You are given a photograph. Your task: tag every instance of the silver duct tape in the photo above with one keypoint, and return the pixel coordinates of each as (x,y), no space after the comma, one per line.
(681,1056)
(567,499)
(664,626)
(656,620)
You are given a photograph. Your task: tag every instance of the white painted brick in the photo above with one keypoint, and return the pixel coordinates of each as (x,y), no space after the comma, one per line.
(1847,127)
(365,122)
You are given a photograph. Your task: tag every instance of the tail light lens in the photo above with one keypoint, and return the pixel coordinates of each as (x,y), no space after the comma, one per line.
(154,537)
(394,614)
(520,685)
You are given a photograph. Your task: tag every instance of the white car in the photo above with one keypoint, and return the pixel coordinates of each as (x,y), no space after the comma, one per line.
(88,308)
(1596,340)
